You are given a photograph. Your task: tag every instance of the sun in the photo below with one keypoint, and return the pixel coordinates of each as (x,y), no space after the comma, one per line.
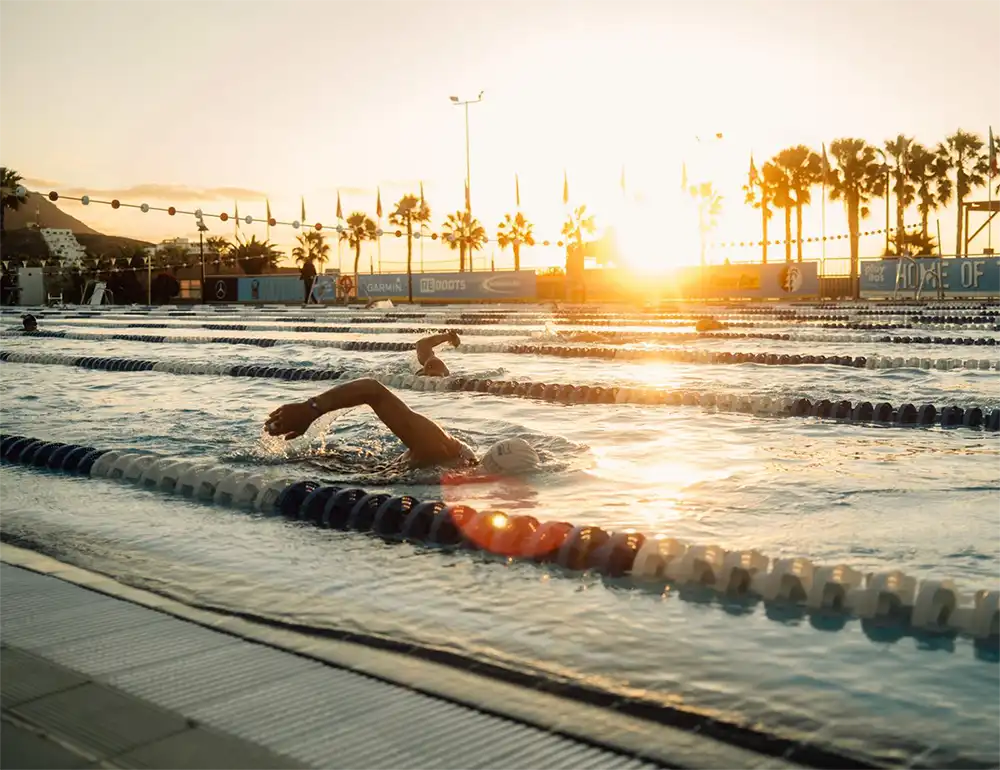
(655,237)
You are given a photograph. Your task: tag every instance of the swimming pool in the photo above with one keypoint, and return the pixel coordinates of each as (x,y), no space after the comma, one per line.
(877,497)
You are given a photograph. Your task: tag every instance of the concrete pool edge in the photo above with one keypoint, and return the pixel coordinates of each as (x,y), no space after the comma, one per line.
(592,725)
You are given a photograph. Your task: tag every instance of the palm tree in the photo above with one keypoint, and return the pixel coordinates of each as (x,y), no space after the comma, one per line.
(254,256)
(410,209)
(760,195)
(465,234)
(218,246)
(513,231)
(360,228)
(577,224)
(962,152)
(171,257)
(709,209)
(784,198)
(803,170)
(854,177)
(898,152)
(929,173)
(9,182)
(312,247)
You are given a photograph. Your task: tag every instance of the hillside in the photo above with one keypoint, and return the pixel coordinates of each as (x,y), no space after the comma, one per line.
(38,207)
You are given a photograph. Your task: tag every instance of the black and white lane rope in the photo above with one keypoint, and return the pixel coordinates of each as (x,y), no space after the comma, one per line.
(931,605)
(905,415)
(675,355)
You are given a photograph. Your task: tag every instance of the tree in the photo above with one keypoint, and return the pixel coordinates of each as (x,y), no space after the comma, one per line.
(171,257)
(9,182)
(710,207)
(513,231)
(218,247)
(783,198)
(254,256)
(465,234)
(915,245)
(760,195)
(410,209)
(897,155)
(360,228)
(577,224)
(962,152)
(928,172)
(853,177)
(312,247)
(802,170)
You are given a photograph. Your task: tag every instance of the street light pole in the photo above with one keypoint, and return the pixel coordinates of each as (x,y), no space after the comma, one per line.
(468,164)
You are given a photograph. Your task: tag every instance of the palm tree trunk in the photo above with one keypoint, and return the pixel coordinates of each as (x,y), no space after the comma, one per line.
(461,256)
(924,212)
(517,256)
(798,230)
(788,233)
(900,210)
(958,199)
(409,256)
(357,260)
(763,222)
(852,227)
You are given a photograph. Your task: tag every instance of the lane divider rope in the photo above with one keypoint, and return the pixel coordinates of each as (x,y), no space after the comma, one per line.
(892,597)
(680,355)
(906,415)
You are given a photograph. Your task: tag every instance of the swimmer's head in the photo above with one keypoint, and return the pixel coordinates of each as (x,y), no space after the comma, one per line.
(511,456)
(435,368)
(29,323)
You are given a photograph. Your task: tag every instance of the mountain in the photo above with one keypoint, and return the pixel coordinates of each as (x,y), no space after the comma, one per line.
(37,207)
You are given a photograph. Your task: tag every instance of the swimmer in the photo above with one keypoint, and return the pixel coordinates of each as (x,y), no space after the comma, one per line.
(430,364)
(427,443)
(29,323)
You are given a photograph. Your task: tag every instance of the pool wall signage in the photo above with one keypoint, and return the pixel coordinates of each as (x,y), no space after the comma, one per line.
(270,288)
(795,279)
(959,277)
(509,285)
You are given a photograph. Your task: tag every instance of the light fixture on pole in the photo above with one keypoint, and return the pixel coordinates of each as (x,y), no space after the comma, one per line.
(468,166)
(202,229)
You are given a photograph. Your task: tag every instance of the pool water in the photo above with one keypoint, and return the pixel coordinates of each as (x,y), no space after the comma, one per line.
(925,501)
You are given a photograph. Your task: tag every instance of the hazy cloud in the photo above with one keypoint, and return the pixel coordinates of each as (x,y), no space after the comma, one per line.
(144,192)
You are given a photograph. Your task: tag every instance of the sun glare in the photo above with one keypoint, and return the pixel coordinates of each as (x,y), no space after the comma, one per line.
(655,238)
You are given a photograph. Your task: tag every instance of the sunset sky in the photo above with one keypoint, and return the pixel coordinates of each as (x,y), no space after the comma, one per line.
(204,103)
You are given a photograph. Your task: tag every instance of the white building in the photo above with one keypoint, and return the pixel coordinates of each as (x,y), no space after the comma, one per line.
(63,245)
(191,249)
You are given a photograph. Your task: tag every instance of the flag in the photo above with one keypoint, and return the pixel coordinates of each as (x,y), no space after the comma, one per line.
(565,188)
(517,191)
(684,177)
(623,180)
(468,198)
(753,172)
(236,218)
(826,162)
(303,218)
(268,202)
(421,195)
(378,202)
(340,211)
(994,170)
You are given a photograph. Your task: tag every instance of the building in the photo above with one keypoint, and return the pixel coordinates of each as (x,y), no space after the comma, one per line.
(63,245)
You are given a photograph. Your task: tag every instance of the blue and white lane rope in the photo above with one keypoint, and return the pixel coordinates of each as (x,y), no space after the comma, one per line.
(675,355)
(907,415)
(935,606)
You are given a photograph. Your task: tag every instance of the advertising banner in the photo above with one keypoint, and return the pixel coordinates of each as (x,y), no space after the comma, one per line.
(971,277)
(220,289)
(776,281)
(450,286)
(271,288)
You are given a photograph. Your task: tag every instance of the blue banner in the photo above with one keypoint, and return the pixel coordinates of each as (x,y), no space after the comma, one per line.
(450,286)
(271,288)
(971,277)
(774,281)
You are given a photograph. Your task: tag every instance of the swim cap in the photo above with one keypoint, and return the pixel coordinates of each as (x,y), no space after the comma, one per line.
(510,456)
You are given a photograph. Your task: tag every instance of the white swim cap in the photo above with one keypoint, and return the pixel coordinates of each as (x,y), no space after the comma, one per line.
(510,456)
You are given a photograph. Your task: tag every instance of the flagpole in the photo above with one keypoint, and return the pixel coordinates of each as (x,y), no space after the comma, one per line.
(826,170)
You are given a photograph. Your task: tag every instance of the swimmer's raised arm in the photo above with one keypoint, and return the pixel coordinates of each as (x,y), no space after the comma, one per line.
(432,365)
(425,439)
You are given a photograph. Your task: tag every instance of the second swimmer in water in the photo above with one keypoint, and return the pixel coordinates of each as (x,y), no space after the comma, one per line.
(427,443)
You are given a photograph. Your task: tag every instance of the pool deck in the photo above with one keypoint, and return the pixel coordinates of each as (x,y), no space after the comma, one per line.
(99,674)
